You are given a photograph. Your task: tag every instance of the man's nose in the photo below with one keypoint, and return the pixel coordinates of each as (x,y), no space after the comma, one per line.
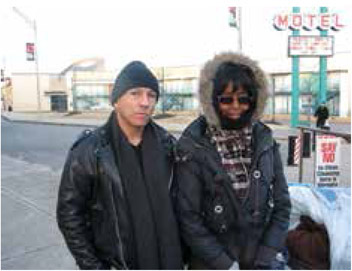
(144,100)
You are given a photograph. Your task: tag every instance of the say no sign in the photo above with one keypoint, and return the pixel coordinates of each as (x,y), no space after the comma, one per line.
(327,160)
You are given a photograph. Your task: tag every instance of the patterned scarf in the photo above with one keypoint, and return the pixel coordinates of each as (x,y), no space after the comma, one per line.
(234,147)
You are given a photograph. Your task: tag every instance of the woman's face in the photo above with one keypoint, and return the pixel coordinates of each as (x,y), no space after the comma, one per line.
(233,104)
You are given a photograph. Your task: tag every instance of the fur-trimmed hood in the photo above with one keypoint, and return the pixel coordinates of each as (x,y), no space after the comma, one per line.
(207,75)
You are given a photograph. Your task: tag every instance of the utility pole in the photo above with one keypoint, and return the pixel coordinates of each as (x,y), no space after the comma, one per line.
(295,82)
(33,25)
(323,67)
(239,29)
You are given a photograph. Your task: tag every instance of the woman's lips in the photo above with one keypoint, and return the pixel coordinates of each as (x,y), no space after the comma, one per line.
(233,115)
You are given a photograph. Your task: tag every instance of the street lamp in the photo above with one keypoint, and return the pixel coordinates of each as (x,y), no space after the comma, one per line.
(33,25)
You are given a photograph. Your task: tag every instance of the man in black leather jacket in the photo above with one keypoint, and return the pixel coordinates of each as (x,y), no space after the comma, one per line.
(114,208)
(232,203)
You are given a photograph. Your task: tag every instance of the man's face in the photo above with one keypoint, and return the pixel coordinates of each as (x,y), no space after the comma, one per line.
(135,107)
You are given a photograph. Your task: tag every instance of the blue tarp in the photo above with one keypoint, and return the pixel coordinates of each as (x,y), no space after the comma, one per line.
(331,207)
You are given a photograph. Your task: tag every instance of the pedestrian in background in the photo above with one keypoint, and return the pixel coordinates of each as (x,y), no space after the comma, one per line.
(232,203)
(322,114)
(114,208)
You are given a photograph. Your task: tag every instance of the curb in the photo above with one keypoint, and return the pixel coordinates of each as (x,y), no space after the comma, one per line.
(66,124)
(91,125)
(5,118)
(53,123)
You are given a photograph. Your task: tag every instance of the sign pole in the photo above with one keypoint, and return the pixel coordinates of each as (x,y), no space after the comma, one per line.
(239,29)
(37,65)
(295,82)
(323,67)
(33,25)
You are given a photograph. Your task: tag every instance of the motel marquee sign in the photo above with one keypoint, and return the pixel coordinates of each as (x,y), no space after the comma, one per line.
(309,46)
(308,21)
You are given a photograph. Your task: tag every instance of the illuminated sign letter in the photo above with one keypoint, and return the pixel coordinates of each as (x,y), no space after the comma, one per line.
(281,22)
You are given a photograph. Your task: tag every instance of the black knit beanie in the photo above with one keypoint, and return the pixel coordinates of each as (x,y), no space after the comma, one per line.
(134,75)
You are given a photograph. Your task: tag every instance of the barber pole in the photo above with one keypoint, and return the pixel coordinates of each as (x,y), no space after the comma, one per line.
(297,151)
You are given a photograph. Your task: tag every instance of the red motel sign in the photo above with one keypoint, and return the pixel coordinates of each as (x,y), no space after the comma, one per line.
(308,21)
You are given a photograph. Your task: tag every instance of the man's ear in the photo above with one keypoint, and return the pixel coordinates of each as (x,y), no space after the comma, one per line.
(115,106)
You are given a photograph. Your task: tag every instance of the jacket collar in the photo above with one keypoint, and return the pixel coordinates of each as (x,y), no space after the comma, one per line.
(197,132)
(166,139)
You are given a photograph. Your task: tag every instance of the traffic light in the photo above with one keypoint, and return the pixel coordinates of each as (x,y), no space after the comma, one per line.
(233,17)
(2,75)
(30,49)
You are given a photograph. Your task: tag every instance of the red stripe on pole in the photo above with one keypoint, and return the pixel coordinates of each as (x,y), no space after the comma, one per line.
(297,150)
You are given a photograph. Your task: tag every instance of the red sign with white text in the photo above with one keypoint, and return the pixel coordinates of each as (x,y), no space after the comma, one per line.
(327,171)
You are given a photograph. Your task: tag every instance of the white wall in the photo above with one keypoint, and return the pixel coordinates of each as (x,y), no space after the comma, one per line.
(25,92)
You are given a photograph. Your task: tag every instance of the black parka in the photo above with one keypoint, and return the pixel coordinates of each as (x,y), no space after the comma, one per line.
(90,195)
(214,224)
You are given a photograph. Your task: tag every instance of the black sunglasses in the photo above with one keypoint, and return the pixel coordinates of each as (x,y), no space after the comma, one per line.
(230,99)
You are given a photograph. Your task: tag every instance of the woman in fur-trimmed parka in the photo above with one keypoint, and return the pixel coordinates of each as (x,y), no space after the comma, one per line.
(232,199)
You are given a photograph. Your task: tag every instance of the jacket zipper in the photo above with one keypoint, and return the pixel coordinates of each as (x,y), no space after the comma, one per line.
(117,231)
(171,178)
(121,246)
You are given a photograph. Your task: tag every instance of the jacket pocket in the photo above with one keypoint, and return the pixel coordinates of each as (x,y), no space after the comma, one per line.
(217,210)
(97,218)
(101,229)
(214,215)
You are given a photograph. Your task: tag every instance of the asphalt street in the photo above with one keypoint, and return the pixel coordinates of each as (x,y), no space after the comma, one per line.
(38,143)
(48,144)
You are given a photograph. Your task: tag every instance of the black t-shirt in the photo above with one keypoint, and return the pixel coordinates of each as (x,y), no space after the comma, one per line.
(138,150)
(126,233)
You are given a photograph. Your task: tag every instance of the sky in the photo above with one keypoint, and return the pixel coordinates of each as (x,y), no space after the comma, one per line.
(169,33)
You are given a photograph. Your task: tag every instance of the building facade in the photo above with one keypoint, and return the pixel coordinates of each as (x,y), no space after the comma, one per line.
(53,92)
(338,91)
(87,85)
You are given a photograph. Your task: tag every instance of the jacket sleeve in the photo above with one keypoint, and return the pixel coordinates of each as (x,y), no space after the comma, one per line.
(74,194)
(276,231)
(195,234)
(317,112)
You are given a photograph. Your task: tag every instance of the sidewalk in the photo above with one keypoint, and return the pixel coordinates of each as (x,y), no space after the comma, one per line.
(30,238)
